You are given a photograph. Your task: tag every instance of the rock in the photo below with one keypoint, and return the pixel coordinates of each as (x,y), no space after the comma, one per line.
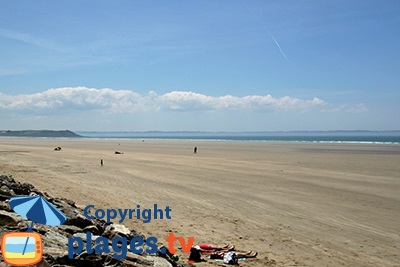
(20,189)
(40,228)
(9,218)
(69,229)
(54,252)
(84,259)
(134,258)
(75,219)
(121,229)
(159,262)
(62,202)
(3,196)
(4,206)
(5,189)
(43,263)
(83,236)
(93,229)
(7,178)
(55,239)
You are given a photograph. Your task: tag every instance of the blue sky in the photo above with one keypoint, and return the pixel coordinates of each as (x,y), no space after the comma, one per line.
(200,65)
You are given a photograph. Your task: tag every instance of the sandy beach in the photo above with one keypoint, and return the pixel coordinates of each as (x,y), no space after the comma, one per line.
(297,204)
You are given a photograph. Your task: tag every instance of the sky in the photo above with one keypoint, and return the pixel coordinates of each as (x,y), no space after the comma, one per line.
(211,65)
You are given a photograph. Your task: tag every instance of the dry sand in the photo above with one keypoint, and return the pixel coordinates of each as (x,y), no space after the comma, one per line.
(296,204)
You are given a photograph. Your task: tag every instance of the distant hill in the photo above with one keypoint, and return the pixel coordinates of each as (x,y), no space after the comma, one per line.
(39,133)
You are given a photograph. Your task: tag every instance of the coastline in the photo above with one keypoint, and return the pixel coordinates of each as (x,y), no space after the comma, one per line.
(350,137)
(305,203)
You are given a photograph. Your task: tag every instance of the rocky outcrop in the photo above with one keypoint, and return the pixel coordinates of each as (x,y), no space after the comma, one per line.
(55,239)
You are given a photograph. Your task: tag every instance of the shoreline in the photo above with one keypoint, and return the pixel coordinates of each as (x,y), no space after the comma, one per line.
(304,204)
(207,140)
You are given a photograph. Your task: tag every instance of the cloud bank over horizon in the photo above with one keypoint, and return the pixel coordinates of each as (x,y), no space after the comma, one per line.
(83,108)
(126,101)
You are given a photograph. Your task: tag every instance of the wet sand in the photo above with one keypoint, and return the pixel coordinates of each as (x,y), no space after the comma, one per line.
(297,204)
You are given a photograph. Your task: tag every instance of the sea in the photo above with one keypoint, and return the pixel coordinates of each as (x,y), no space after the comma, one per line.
(367,137)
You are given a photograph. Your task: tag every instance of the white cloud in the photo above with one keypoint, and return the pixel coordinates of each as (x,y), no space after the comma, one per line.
(188,101)
(76,98)
(358,108)
(126,101)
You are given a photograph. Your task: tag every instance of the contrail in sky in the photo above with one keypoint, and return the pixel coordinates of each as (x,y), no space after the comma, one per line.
(268,31)
(279,47)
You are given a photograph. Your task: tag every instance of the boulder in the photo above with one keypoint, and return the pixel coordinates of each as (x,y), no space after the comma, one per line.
(121,229)
(9,218)
(69,229)
(78,220)
(55,239)
(159,262)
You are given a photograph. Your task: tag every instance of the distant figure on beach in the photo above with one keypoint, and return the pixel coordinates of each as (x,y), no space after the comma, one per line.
(101,162)
(195,150)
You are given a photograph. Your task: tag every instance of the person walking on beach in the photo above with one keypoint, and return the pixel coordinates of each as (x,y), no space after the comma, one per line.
(101,162)
(195,150)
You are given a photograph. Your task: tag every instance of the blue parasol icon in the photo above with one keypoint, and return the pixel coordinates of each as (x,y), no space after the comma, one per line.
(37,209)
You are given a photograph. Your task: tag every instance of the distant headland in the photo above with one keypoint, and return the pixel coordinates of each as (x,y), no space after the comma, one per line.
(39,133)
